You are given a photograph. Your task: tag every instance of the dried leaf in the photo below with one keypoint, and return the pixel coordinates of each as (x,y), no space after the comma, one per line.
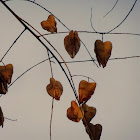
(89,113)
(54,89)
(94,131)
(49,24)
(6,73)
(75,113)
(1,117)
(86,90)
(3,86)
(102,51)
(72,43)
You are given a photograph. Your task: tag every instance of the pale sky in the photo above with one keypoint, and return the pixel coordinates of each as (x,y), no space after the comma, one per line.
(116,96)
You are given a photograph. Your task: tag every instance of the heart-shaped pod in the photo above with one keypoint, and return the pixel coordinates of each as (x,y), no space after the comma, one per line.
(72,43)
(75,113)
(49,24)
(94,131)
(54,89)
(86,90)
(1,117)
(102,51)
(6,73)
(89,113)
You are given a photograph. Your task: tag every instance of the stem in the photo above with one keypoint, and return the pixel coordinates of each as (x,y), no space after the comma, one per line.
(10,119)
(27,71)
(12,45)
(51,119)
(124,18)
(111,9)
(81,61)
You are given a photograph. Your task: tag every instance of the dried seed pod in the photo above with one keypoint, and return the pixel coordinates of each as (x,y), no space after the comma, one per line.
(89,113)
(94,131)
(54,89)
(75,113)
(49,24)
(72,43)
(6,73)
(86,90)
(1,117)
(102,51)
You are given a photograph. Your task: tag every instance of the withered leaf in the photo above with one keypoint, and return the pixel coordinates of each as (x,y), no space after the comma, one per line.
(3,86)
(6,73)
(72,43)
(1,117)
(89,113)
(54,89)
(75,113)
(102,51)
(86,90)
(94,131)
(49,24)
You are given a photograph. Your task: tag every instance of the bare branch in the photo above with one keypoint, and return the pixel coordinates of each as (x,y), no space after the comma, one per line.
(124,18)
(27,71)
(83,76)
(81,61)
(51,119)
(10,119)
(111,9)
(91,22)
(91,32)
(12,45)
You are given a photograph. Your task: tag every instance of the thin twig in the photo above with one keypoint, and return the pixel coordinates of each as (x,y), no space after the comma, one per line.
(12,45)
(10,119)
(124,18)
(81,61)
(91,32)
(51,119)
(91,22)
(111,9)
(84,76)
(27,71)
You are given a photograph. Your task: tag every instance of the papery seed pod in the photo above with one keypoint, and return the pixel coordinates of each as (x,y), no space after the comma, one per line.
(86,90)
(102,51)
(72,43)
(54,89)
(49,24)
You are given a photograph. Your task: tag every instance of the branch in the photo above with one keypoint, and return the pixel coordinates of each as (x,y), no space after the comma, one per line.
(111,9)
(84,76)
(10,119)
(81,61)
(12,44)
(51,119)
(124,18)
(27,71)
(91,32)
(91,22)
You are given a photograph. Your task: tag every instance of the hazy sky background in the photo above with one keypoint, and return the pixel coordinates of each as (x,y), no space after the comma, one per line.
(116,97)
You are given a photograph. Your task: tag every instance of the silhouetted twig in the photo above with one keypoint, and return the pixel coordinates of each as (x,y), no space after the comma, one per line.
(12,44)
(84,76)
(27,71)
(111,9)
(91,22)
(10,119)
(81,61)
(124,18)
